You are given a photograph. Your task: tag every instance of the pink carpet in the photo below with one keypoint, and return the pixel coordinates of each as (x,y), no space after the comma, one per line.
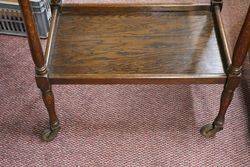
(118,125)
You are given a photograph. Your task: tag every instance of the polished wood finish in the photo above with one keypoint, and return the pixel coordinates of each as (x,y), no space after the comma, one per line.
(243,43)
(39,61)
(135,47)
(138,79)
(235,70)
(33,38)
(48,98)
(51,35)
(125,8)
(221,35)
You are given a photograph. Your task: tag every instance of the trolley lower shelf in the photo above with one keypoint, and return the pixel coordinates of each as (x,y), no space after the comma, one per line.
(139,44)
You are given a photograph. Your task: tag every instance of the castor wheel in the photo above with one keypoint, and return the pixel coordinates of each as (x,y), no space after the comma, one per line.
(209,130)
(49,134)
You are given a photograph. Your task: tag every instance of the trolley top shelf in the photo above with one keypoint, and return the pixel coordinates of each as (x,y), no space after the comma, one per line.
(135,44)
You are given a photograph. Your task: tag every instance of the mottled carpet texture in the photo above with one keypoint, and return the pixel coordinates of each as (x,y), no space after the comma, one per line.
(119,125)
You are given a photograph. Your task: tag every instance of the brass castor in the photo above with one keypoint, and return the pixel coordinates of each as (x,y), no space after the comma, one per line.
(210,130)
(49,134)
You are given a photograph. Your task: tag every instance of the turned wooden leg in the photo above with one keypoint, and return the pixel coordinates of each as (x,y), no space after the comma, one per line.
(48,98)
(226,98)
(233,79)
(232,83)
(40,67)
(51,133)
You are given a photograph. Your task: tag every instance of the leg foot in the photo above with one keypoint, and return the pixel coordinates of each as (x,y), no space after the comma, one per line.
(210,130)
(49,134)
(232,82)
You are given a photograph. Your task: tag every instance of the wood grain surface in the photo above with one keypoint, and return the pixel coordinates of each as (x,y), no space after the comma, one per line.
(135,43)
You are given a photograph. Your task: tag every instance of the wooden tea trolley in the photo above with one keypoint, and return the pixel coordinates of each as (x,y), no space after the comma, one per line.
(136,44)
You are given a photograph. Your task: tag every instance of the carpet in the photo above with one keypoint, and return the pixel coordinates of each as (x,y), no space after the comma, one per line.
(118,125)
